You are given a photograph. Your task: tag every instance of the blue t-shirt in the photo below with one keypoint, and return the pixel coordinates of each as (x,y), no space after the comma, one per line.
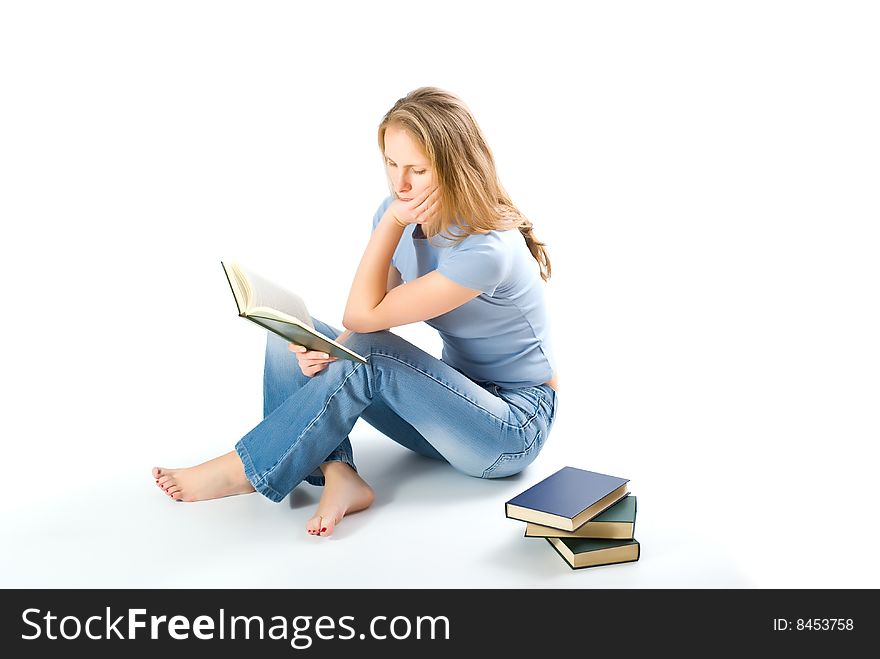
(501,336)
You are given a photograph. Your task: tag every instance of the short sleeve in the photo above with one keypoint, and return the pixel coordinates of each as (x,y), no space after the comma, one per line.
(480,261)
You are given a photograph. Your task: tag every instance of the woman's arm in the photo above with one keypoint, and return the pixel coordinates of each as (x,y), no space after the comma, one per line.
(371,278)
(394,279)
(371,306)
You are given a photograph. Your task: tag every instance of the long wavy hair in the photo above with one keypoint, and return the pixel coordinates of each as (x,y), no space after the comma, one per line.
(464,167)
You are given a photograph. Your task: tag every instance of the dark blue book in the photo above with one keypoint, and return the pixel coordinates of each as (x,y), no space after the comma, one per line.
(567,499)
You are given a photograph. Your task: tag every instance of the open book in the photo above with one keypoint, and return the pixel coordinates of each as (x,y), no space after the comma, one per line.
(280,311)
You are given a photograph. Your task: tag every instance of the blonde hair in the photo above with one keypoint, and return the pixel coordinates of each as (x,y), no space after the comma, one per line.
(465,169)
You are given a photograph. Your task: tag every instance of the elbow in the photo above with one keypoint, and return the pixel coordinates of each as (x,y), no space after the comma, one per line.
(350,318)
(364,318)
(353,324)
(362,323)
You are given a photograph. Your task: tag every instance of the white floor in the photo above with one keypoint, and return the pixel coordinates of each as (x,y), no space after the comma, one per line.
(429,527)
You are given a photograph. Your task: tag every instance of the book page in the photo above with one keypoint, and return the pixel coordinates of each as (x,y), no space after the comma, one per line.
(236,285)
(264,293)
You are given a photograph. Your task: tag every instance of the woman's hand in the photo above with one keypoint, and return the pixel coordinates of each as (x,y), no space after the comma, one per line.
(421,209)
(312,362)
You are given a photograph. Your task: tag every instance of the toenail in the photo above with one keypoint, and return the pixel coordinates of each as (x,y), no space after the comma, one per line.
(324,529)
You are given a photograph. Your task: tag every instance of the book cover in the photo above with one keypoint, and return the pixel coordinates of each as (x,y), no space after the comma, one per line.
(280,311)
(590,552)
(616,523)
(567,499)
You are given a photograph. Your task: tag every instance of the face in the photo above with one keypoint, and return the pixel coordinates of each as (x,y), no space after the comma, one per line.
(408,167)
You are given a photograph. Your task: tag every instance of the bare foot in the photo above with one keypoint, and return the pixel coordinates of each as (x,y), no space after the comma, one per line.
(344,492)
(220,477)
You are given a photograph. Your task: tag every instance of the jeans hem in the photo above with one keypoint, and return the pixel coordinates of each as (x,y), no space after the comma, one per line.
(259,483)
(319,480)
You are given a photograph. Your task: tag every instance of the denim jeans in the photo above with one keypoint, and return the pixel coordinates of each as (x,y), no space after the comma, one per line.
(412,397)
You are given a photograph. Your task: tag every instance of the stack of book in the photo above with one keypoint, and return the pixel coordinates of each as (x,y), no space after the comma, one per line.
(589,518)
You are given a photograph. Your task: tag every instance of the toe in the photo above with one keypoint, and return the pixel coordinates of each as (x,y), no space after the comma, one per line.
(157,472)
(313,526)
(171,489)
(327,524)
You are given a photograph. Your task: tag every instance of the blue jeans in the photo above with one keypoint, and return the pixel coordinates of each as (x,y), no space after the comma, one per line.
(412,397)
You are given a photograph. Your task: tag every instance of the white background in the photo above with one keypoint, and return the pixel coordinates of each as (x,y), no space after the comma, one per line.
(705,176)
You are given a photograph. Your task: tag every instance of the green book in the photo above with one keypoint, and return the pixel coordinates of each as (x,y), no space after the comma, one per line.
(590,552)
(280,311)
(616,523)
